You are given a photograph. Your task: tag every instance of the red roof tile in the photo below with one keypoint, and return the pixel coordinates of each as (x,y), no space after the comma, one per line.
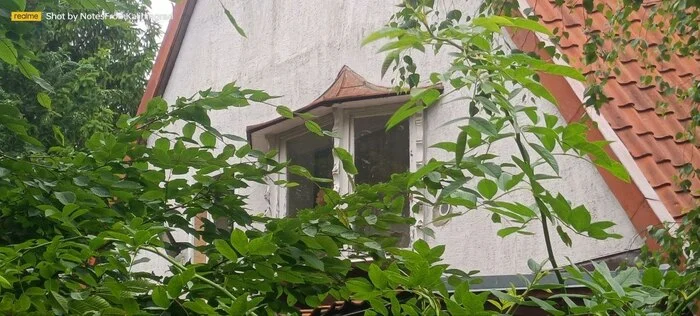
(647,132)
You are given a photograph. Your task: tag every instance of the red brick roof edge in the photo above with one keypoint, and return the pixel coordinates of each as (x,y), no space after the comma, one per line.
(167,54)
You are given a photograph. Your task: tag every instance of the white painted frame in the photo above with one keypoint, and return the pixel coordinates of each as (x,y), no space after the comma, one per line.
(342,116)
(278,196)
(416,151)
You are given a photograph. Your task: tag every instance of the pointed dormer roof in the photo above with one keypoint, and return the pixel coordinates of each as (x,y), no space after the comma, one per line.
(348,85)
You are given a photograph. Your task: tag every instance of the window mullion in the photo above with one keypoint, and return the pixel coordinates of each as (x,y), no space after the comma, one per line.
(342,129)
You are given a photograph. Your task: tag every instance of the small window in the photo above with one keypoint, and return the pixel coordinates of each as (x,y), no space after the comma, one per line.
(379,154)
(314,153)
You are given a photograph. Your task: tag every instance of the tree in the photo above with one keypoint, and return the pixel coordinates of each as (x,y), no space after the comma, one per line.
(96,70)
(75,218)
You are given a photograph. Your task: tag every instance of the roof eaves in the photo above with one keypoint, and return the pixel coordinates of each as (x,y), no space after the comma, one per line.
(348,86)
(640,202)
(167,54)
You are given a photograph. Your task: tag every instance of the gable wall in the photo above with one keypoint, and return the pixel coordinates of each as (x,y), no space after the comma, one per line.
(295,49)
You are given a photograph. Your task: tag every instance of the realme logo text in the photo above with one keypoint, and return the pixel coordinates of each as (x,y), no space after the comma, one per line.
(25,16)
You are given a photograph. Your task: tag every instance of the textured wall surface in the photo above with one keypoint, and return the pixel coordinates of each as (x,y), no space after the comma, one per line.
(295,49)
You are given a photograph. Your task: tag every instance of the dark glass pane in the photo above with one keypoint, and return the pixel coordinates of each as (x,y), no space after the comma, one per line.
(314,153)
(379,154)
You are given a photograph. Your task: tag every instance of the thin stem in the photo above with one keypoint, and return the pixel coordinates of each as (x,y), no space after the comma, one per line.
(538,201)
(535,280)
(687,301)
(197,276)
(548,243)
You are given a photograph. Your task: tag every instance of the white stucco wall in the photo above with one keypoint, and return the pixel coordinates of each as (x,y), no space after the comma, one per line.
(296,48)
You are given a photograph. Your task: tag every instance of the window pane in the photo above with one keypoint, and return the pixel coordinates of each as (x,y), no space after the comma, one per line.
(314,153)
(379,154)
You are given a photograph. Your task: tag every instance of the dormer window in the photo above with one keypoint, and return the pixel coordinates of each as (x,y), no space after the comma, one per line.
(356,111)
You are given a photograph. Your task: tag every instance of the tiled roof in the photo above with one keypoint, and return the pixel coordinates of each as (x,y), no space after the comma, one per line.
(631,110)
(349,85)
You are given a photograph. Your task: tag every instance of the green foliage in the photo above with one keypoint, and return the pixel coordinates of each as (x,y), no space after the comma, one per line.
(85,82)
(76,221)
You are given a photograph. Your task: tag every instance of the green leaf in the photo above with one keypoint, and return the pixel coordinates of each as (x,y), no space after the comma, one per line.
(561,70)
(602,268)
(403,43)
(546,306)
(492,23)
(66,197)
(628,277)
(8,53)
(388,60)
(125,184)
(404,112)
(539,90)
(387,32)
(284,111)
(58,135)
(4,283)
(487,188)
(359,286)
(100,191)
(314,127)
(175,285)
(580,218)
(160,297)
(482,125)
(426,96)
(517,208)
(530,25)
(200,307)
(262,246)
(239,241)
(564,236)
(233,21)
(239,306)
(234,138)
(261,96)
(376,275)
(61,301)
(244,150)
(346,159)
(313,261)
(423,171)
(208,139)
(534,266)
(28,70)
(44,100)
(480,42)
(503,232)
(223,248)
(328,245)
(652,277)
(460,147)
(162,143)
(188,129)
(547,156)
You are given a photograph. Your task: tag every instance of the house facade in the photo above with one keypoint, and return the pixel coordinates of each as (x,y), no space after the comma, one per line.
(309,53)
